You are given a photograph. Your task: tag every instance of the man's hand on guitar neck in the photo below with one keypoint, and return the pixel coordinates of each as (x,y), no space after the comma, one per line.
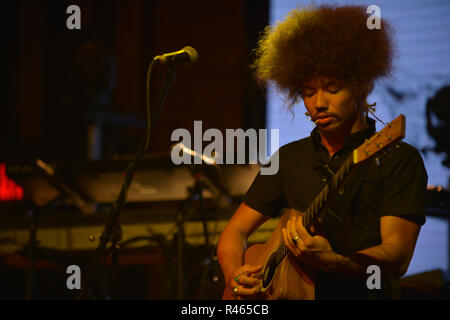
(314,250)
(393,255)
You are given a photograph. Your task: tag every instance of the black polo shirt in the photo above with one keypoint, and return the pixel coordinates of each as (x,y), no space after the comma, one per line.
(394,184)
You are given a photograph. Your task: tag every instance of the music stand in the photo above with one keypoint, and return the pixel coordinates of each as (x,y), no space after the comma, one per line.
(45,190)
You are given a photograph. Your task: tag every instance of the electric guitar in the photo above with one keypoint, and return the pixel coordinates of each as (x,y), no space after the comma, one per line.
(282,276)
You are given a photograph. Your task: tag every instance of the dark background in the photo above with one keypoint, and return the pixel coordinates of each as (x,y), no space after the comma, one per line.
(60,81)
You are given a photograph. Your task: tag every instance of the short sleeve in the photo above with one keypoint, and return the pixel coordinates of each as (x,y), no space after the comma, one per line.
(265,194)
(404,184)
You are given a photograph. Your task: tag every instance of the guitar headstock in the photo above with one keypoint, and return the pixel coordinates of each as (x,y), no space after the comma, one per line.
(391,133)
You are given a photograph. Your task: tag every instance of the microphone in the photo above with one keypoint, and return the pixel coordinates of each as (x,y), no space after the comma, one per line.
(185,55)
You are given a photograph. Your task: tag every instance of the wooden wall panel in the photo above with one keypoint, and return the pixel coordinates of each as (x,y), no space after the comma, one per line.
(211,90)
(31,70)
(214,90)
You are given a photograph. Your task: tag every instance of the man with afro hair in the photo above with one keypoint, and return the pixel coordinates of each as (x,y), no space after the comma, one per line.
(329,58)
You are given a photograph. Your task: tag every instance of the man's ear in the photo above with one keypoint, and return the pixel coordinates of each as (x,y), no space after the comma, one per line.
(365,90)
(370,87)
(362,92)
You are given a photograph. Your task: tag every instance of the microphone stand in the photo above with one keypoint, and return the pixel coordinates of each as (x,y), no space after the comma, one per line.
(113,231)
(195,193)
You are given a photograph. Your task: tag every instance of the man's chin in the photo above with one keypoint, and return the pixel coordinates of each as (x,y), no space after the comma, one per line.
(329,127)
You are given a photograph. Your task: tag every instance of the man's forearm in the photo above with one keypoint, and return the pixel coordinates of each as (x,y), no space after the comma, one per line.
(355,265)
(230,254)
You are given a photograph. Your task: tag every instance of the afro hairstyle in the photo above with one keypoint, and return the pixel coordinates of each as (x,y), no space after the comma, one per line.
(323,41)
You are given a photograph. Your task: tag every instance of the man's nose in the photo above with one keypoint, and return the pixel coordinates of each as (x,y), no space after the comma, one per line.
(321,101)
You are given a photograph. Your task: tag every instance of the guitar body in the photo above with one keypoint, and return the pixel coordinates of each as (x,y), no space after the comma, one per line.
(292,280)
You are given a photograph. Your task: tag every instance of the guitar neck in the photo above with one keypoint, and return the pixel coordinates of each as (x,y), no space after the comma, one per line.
(314,210)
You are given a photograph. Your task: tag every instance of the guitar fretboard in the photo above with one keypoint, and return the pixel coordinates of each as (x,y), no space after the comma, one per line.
(332,188)
(317,206)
